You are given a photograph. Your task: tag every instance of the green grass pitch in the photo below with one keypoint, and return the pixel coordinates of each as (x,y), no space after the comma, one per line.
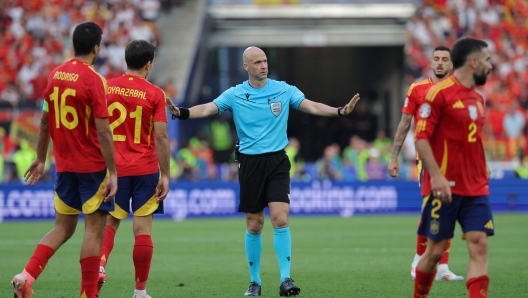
(362,256)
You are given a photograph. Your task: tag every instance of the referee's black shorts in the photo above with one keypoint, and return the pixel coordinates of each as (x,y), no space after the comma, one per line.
(263,178)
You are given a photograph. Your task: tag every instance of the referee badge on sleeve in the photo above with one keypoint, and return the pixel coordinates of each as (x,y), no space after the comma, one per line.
(276,108)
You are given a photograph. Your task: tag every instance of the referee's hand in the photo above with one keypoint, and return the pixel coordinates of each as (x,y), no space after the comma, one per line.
(347,109)
(173,109)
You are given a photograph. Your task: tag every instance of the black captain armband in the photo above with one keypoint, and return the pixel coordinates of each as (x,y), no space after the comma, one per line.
(184,114)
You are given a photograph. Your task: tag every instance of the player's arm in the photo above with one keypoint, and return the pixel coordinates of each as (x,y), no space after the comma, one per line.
(199,111)
(163,152)
(36,169)
(106,142)
(399,138)
(428,117)
(320,109)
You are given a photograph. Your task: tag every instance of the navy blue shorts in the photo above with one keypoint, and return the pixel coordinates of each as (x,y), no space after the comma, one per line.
(139,194)
(77,193)
(439,218)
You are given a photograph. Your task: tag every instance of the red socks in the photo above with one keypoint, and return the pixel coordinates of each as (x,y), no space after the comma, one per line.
(445,258)
(421,244)
(39,260)
(142,255)
(478,286)
(90,276)
(107,245)
(423,283)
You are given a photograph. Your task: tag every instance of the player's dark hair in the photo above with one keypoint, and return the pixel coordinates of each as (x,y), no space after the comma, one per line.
(85,37)
(138,53)
(442,48)
(465,47)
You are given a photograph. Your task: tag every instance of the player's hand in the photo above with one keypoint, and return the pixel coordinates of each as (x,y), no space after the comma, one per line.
(488,172)
(162,189)
(173,109)
(394,167)
(35,171)
(347,109)
(110,188)
(441,188)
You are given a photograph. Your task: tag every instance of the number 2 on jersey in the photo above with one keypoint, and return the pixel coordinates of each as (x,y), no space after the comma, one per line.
(472,131)
(137,115)
(62,112)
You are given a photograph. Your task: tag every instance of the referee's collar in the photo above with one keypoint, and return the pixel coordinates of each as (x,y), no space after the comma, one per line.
(258,89)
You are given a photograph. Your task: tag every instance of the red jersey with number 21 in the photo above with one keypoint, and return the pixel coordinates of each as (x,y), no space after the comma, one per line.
(451,119)
(76,94)
(134,105)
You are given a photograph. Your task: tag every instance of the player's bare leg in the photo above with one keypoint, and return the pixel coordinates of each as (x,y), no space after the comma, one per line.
(142,253)
(112,224)
(426,269)
(91,251)
(279,212)
(253,243)
(62,231)
(478,280)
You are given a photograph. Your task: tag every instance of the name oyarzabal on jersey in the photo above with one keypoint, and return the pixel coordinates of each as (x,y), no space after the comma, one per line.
(134,105)
(260,112)
(75,95)
(451,119)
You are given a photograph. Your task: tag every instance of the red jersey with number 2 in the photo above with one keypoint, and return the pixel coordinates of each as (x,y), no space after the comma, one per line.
(134,105)
(76,94)
(451,119)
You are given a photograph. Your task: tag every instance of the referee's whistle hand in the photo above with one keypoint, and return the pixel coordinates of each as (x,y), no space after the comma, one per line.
(173,109)
(347,109)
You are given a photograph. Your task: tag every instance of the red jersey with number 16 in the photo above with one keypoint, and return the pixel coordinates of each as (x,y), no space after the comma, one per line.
(75,94)
(134,105)
(451,119)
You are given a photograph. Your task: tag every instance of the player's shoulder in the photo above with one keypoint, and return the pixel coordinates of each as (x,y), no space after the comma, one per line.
(420,84)
(155,88)
(442,87)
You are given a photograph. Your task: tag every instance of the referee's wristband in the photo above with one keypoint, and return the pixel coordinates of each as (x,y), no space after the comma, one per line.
(339,112)
(184,114)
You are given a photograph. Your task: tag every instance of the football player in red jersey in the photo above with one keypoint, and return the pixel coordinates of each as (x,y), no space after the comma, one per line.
(455,181)
(442,66)
(139,125)
(75,115)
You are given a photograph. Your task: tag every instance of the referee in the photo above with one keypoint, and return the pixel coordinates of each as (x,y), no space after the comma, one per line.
(260,108)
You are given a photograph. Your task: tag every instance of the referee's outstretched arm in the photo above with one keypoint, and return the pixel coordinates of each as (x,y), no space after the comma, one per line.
(320,109)
(199,111)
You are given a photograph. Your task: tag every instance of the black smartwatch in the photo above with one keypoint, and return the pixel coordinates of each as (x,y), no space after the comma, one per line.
(339,111)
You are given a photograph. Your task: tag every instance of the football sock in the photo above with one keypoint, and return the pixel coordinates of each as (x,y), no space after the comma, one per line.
(253,252)
(107,245)
(423,283)
(445,258)
(421,244)
(478,286)
(89,275)
(38,260)
(282,244)
(142,255)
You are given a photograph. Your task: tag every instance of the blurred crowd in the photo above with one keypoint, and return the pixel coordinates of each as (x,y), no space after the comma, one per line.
(503,24)
(35,37)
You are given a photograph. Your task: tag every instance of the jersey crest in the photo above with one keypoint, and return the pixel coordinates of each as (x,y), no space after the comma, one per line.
(276,108)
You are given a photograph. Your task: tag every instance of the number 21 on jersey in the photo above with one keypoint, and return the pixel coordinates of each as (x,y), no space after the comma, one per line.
(137,115)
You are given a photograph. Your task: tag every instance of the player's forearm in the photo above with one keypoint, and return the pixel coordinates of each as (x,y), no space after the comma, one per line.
(163,153)
(317,109)
(107,149)
(401,134)
(426,154)
(43,138)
